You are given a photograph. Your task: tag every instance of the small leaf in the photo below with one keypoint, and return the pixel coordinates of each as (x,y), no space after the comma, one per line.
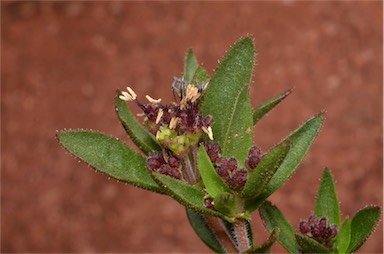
(109,156)
(265,170)
(190,65)
(301,140)
(267,106)
(204,232)
(212,181)
(141,137)
(201,75)
(309,245)
(273,218)
(327,204)
(362,226)
(344,236)
(227,100)
(185,194)
(265,247)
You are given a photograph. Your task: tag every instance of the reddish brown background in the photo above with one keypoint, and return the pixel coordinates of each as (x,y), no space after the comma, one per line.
(61,64)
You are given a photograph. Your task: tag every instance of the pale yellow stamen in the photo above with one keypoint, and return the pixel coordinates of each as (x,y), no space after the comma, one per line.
(159,115)
(151,100)
(128,96)
(173,123)
(192,93)
(208,131)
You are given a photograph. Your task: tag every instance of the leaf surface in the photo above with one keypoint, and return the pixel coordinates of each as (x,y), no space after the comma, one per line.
(344,236)
(110,156)
(301,139)
(203,231)
(212,181)
(260,177)
(362,226)
(273,218)
(309,245)
(227,100)
(267,106)
(190,65)
(327,204)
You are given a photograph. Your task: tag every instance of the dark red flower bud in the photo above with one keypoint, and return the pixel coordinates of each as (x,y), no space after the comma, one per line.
(173,162)
(315,231)
(232,164)
(165,169)
(254,151)
(213,151)
(155,160)
(304,227)
(238,179)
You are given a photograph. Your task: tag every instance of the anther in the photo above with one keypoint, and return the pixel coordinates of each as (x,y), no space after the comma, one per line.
(159,115)
(173,123)
(208,131)
(151,100)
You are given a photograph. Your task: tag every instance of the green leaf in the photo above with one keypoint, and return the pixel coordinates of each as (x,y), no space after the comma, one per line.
(267,106)
(344,236)
(141,137)
(273,218)
(227,100)
(362,226)
(327,204)
(265,247)
(309,245)
(201,75)
(109,156)
(203,231)
(190,65)
(301,140)
(212,181)
(185,194)
(265,170)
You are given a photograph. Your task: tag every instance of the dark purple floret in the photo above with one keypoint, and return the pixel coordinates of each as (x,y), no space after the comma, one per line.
(155,160)
(173,162)
(165,169)
(238,179)
(254,157)
(213,151)
(208,203)
(232,164)
(304,227)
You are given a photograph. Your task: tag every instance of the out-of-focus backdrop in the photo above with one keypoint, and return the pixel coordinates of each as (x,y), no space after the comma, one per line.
(63,61)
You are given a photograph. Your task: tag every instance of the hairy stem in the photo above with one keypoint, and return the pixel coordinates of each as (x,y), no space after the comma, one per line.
(241,234)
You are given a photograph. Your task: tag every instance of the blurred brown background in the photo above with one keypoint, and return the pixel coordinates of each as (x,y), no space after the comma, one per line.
(61,64)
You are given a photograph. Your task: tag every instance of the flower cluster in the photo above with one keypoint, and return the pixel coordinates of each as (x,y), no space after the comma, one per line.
(319,230)
(177,126)
(167,165)
(228,168)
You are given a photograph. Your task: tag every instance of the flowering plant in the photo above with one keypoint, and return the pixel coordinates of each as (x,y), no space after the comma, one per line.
(198,150)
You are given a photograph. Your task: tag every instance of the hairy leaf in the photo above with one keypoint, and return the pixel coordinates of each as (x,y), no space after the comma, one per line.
(344,236)
(267,106)
(201,75)
(109,156)
(185,194)
(265,170)
(203,231)
(212,181)
(227,100)
(141,137)
(273,218)
(301,140)
(362,226)
(309,245)
(190,65)
(327,204)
